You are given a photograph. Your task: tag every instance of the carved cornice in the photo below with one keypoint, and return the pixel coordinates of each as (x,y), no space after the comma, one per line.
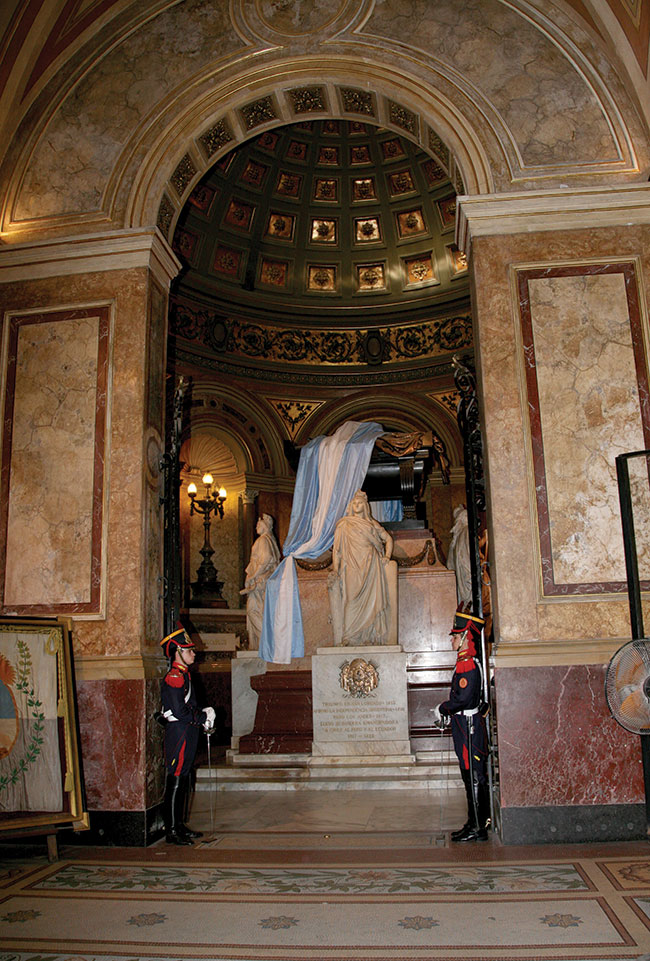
(118,250)
(570,209)
(556,652)
(123,667)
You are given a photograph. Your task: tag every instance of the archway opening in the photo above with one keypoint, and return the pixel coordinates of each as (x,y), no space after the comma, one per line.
(321,283)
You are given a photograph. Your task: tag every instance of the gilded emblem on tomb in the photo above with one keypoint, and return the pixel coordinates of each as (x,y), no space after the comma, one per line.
(358,677)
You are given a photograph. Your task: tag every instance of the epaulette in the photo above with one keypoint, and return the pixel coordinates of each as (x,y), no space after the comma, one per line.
(174,678)
(465,663)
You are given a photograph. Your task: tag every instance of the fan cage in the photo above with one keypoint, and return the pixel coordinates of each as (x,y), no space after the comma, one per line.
(627,686)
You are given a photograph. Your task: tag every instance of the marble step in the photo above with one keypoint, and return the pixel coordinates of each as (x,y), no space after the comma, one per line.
(439,776)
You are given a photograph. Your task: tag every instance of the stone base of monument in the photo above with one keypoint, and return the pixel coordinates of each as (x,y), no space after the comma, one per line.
(360,704)
(361,741)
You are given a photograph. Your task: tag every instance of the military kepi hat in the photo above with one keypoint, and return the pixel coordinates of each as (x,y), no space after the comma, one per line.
(467,622)
(177,638)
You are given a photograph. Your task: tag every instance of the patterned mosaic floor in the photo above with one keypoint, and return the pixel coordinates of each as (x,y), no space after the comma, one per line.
(117,909)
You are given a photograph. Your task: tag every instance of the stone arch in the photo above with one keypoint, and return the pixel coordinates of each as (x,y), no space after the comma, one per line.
(253,432)
(115,141)
(404,412)
(425,116)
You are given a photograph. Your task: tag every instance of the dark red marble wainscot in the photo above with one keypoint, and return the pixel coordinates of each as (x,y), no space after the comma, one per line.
(112,720)
(558,744)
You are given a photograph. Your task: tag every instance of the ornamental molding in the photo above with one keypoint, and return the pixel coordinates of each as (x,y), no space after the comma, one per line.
(571,209)
(118,250)
(334,347)
(334,377)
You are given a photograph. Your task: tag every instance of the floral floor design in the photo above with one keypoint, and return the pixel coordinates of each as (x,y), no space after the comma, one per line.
(84,910)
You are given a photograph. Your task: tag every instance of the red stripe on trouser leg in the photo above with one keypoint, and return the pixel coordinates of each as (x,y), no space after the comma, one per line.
(181,758)
(465,758)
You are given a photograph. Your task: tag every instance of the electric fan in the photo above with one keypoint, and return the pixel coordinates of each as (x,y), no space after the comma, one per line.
(627,686)
(627,679)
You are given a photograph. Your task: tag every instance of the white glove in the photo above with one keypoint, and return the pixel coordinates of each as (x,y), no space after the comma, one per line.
(209,717)
(437,717)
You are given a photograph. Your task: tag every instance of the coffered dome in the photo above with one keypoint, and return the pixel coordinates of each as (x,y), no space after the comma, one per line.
(327,220)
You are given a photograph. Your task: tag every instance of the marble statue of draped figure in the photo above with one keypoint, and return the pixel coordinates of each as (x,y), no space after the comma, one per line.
(363,582)
(458,558)
(264,558)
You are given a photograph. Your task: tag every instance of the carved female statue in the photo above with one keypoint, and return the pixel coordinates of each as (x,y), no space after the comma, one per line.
(265,557)
(359,590)
(458,558)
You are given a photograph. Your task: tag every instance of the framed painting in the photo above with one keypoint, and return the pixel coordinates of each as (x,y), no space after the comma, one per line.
(41,782)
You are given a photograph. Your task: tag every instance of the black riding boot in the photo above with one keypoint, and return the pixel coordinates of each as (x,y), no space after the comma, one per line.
(172,810)
(468,791)
(476,829)
(484,813)
(187,833)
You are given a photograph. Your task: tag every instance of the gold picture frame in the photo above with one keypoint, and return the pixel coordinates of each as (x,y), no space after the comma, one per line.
(41,780)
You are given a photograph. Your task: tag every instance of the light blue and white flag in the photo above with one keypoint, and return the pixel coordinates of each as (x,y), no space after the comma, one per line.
(330,471)
(387,511)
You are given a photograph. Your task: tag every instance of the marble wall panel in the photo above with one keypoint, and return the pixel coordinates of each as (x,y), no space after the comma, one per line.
(638,469)
(558,744)
(573,265)
(427,605)
(112,723)
(153,761)
(121,631)
(53,475)
(587,392)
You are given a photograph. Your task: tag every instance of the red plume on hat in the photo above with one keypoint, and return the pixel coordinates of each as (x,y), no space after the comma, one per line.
(178,638)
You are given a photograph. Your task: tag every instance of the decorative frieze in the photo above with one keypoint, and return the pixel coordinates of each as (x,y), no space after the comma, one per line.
(165,216)
(293,345)
(438,147)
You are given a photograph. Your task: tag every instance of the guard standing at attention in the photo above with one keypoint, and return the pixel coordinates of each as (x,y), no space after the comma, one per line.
(183,721)
(469,732)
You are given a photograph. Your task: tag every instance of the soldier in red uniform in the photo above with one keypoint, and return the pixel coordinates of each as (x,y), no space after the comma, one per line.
(468,728)
(183,724)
